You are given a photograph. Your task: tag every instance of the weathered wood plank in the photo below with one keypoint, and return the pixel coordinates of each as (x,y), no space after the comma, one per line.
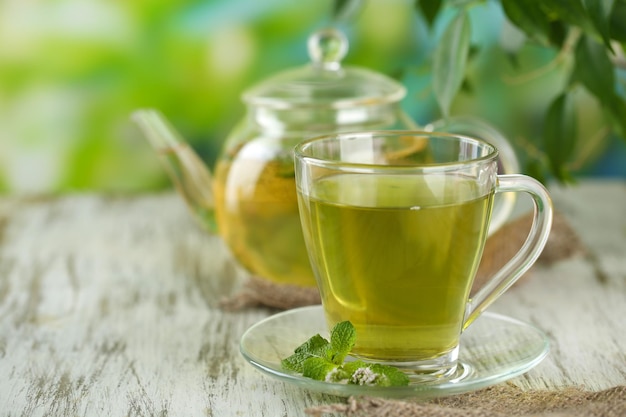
(108,306)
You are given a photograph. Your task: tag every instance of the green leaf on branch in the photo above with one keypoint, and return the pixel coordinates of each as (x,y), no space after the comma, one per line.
(559,135)
(617,111)
(617,28)
(344,10)
(528,17)
(557,33)
(596,72)
(599,12)
(450,61)
(429,9)
(536,169)
(570,11)
(594,69)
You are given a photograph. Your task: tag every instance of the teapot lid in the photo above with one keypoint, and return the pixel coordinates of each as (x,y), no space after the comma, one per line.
(324,82)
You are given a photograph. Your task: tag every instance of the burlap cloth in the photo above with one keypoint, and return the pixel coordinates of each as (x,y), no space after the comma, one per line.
(497,401)
(500,247)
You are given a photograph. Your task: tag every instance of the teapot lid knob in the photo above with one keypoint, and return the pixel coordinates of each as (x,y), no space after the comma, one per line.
(324,83)
(327,47)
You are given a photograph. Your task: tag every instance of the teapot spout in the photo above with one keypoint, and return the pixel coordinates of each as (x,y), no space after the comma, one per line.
(188,172)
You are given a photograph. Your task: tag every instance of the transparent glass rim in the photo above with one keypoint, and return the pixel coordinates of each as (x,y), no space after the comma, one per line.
(301,152)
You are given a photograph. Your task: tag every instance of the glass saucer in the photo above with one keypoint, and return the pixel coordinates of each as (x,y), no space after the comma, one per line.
(493,349)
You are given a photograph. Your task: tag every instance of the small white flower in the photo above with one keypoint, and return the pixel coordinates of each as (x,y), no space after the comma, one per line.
(365,376)
(335,376)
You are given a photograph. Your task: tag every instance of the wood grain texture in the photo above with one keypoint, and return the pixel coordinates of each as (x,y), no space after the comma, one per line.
(108,306)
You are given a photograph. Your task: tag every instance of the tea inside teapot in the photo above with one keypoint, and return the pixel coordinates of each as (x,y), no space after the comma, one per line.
(257,212)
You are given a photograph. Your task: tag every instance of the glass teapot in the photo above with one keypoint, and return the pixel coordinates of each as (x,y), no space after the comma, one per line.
(250,199)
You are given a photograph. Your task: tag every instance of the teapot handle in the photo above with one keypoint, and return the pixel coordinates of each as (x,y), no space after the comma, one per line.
(507,163)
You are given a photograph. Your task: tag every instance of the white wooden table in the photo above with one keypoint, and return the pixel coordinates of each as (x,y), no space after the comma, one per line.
(108,306)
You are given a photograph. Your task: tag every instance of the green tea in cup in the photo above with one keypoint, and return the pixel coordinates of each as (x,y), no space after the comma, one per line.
(395,224)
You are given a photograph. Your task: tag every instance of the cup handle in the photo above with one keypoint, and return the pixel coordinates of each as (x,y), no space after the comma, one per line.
(508,163)
(528,253)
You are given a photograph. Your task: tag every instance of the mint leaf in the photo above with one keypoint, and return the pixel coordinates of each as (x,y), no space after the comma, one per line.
(392,376)
(342,339)
(316,346)
(318,368)
(354,365)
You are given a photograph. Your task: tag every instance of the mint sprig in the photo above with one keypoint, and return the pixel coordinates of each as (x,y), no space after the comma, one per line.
(319,359)
(316,346)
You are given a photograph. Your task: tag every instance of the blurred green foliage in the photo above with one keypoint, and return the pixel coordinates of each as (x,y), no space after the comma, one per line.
(587,40)
(72,71)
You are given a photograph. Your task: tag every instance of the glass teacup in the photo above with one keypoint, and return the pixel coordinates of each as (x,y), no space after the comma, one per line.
(395,223)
